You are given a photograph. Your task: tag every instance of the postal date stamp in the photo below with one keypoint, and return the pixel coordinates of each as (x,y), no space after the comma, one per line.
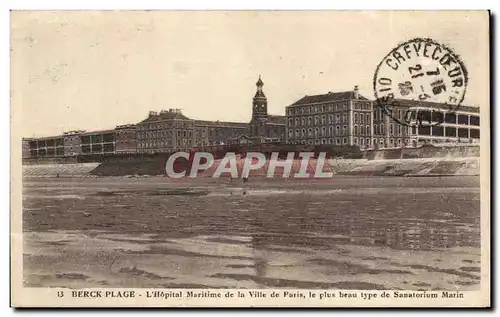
(424,71)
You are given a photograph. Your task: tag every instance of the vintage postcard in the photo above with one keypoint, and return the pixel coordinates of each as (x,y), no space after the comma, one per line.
(250,159)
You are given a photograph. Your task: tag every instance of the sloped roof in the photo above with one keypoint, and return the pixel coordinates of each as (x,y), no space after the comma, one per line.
(259,94)
(259,82)
(331,96)
(221,124)
(166,115)
(276,119)
(433,105)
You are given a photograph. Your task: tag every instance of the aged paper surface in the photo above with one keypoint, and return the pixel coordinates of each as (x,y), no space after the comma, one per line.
(394,210)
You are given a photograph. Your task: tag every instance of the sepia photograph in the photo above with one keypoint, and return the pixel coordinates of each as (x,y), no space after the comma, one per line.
(250,158)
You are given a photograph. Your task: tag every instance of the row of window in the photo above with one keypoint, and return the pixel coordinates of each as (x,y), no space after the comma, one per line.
(357,118)
(163,143)
(47,146)
(317,109)
(168,143)
(185,125)
(394,129)
(47,152)
(213,133)
(336,141)
(447,132)
(362,106)
(296,122)
(45,143)
(392,141)
(380,114)
(450,118)
(427,116)
(357,130)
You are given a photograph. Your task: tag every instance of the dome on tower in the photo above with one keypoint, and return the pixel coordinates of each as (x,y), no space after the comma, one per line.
(260,82)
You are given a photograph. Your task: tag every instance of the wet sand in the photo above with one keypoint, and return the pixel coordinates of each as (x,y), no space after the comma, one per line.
(345,233)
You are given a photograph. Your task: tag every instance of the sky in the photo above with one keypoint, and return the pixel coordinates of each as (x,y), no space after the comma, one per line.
(97,69)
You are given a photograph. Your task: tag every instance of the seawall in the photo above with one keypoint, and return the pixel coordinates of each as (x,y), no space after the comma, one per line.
(63,170)
(357,167)
(422,152)
(407,167)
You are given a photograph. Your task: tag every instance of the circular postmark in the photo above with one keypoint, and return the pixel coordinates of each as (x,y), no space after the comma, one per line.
(425,72)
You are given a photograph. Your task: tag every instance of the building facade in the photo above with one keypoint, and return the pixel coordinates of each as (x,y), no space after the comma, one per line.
(72,143)
(215,133)
(170,130)
(388,129)
(335,118)
(437,123)
(97,142)
(413,123)
(166,131)
(25,148)
(347,118)
(50,146)
(125,138)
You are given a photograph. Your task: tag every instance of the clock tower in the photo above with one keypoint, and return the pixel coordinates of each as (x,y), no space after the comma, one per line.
(259,105)
(259,112)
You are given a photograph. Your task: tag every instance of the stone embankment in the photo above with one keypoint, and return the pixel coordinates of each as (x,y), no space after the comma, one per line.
(358,167)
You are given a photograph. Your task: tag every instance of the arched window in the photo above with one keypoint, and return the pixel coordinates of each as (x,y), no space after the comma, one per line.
(382,128)
(355,118)
(362,130)
(355,129)
(375,129)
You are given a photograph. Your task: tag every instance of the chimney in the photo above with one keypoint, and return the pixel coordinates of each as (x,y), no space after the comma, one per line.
(356,92)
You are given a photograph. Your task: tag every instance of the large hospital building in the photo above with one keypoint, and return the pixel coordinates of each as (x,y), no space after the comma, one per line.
(343,118)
